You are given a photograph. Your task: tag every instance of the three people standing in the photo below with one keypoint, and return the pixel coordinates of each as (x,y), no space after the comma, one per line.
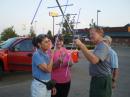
(59,70)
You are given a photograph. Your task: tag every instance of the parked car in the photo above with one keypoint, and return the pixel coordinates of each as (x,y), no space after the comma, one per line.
(16,54)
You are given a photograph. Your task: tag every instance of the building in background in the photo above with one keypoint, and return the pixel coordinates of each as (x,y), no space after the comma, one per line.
(120,35)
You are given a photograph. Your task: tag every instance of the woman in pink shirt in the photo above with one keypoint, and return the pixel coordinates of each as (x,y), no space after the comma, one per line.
(61,69)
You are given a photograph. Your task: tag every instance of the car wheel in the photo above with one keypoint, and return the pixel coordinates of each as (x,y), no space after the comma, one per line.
(1,71)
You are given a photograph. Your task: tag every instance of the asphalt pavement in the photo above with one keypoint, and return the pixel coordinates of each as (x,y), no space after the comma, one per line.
(17,84)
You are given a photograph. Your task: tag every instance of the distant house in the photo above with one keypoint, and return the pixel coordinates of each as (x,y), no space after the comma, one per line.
(120,35)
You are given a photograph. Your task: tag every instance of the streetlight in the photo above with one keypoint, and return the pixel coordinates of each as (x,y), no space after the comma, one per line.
(97,15)
(53,14)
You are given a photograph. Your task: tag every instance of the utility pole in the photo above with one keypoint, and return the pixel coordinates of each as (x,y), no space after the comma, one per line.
(97,16)
(53,14)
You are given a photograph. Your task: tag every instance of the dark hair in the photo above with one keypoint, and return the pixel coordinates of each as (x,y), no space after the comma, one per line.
(60,37)
(38,39)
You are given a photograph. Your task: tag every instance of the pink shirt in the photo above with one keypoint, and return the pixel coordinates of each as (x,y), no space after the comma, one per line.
(61,72)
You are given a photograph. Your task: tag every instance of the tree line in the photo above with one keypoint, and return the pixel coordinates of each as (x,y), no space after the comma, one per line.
(10,32)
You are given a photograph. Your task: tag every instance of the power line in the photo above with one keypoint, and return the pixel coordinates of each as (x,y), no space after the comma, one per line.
(36,12)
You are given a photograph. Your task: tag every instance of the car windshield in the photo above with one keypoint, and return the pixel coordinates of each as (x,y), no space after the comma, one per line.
(7,43)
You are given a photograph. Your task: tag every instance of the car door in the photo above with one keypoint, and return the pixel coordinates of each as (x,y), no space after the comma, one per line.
(20,57)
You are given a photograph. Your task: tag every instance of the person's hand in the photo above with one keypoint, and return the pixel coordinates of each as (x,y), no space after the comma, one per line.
(53,91)
(71,63)
(57,63)
(78,42)
(113,85)
(60,61)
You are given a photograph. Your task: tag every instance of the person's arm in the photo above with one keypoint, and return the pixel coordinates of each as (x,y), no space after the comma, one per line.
(115,69)
(47,67)
(114,63)
(89,55)
(41,62)
(53,91)
(115,74)
(99,54)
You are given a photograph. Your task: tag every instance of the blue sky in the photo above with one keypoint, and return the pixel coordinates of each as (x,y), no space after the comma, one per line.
(19,13)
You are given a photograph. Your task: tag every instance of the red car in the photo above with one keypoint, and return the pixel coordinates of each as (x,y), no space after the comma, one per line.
(16,54)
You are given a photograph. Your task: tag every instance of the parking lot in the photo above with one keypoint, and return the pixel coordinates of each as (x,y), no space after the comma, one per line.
(17,84)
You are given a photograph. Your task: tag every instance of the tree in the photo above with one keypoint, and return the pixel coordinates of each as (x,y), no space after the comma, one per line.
(32,32)
(93,24)
(8,33)
(49,34)
(65,29)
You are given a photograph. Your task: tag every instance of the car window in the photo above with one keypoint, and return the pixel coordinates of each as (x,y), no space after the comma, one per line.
(7,43)
(25,45)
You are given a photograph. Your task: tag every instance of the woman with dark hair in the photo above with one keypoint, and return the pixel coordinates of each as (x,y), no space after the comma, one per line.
(41,67)
(61,69)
